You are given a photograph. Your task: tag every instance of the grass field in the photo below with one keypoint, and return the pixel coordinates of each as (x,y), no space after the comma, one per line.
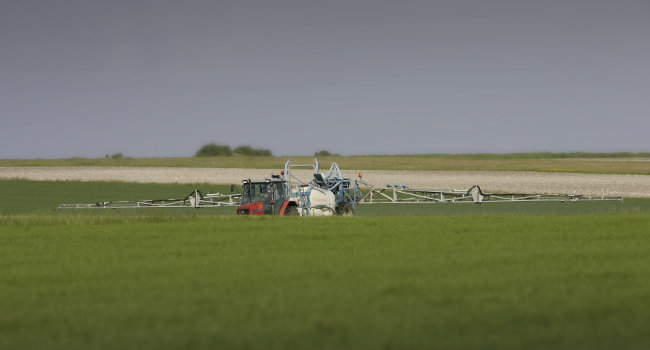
(500,282)
(501,276)
(43,197)
(605,163)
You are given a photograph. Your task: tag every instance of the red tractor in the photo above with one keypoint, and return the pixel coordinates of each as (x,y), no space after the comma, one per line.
(268,197)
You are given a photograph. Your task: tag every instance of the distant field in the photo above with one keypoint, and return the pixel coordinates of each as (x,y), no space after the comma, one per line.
(43,197)
(468,282)
(605,163)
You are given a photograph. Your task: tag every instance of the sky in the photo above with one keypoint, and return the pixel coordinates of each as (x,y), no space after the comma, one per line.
(86,78)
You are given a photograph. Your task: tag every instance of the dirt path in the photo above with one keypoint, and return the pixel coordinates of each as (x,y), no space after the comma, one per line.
(490,181)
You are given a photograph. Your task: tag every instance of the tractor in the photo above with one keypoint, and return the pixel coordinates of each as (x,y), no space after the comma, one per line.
(332,194)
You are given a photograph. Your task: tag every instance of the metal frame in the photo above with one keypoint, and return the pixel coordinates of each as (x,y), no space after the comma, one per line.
(345,190)
(194,200)
(403,194)
(303,191)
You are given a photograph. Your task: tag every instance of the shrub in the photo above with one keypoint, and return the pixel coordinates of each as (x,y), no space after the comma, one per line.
(323,153)
(326,153)
(214,150)
(114,156)
(250,151)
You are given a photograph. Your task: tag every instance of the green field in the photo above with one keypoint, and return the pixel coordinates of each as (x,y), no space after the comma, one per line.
(605,163)
(501,282)
(500,276)
(43,197)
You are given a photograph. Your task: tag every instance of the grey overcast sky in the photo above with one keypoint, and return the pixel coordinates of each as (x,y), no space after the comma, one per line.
(161,78)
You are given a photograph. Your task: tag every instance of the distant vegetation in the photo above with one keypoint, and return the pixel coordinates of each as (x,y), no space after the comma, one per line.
(114,156)
(214,150)
(326,153)
(250,151)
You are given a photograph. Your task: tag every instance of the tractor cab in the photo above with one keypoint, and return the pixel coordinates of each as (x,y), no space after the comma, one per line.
(263,197)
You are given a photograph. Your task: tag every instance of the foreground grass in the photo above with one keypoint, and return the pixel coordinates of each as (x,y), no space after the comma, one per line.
(506,282)
(606,163)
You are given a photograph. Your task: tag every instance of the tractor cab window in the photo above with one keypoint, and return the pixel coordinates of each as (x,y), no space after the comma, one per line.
(256,192)
(278,191)
(245,194)
(262,193)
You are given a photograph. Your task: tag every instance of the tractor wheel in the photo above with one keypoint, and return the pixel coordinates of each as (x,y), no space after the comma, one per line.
(292,211)
(345,209)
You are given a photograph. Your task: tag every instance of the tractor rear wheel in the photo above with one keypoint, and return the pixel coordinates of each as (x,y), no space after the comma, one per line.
(292,211)
(345,209)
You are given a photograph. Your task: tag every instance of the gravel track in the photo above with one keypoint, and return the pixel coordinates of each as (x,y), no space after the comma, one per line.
(490,181)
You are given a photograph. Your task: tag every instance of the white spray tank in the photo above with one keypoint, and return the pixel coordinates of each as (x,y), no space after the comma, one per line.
(322,202)
(317,201)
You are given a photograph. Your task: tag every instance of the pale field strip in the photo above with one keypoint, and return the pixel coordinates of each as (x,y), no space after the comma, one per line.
(490,181)
(632,159)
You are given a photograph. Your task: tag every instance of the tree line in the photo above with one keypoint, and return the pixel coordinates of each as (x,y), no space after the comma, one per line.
(214,150)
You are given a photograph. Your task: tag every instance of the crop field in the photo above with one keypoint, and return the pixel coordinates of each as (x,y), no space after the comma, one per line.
(507,282)
(506,276)
(596,163)
(43,197)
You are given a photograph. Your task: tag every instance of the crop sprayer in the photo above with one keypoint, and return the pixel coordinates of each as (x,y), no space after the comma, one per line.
(325,194)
